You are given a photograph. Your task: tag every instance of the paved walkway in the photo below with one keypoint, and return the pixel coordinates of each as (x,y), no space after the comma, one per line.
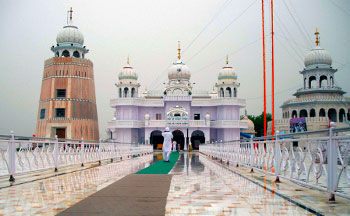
(201,187)
(196,185)
(54,194)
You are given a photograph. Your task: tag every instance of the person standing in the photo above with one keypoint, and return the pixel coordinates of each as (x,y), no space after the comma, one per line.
(174,146)
(167,144)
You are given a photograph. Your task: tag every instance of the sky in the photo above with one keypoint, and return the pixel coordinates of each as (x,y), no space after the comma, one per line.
(148,31)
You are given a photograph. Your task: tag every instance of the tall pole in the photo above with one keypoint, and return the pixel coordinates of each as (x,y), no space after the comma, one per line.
(264,75)
(273,75)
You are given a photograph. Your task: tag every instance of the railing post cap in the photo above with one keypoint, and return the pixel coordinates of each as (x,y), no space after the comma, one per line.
(332,124)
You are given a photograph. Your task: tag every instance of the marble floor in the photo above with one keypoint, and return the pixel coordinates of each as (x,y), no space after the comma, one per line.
(201,187)
(52,195)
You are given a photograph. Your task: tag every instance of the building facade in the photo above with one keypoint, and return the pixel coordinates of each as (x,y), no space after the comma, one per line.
(320,100)
(193,117)
(67,106)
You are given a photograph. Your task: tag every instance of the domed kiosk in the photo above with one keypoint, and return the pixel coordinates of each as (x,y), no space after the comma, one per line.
(320,100)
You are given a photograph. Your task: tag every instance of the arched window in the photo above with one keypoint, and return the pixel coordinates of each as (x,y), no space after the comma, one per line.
(133,92)
(288,114)
(312,82)
(323,81)
(304,83)
(312,113)
(322,113)
(126,92)
(221,92)
(120,92)
(331,82)
(76,54)
(228,92)
(294,114)
(342,117)
(65,53)
(57,54)
(303,113)
(332,115)
(234,92)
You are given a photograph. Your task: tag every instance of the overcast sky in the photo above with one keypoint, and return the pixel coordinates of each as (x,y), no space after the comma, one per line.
(148,31)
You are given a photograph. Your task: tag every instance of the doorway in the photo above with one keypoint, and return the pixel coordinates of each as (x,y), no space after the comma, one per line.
(61,133)
(157,139)
(197,138)
(179,137)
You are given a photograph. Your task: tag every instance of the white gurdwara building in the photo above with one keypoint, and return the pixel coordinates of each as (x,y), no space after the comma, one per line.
(193,117)
(320,100)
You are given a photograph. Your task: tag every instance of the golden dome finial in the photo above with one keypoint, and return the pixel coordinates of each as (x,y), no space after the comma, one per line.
(128,62)
(226,59)
(317,38)
(71,13)
(178,50)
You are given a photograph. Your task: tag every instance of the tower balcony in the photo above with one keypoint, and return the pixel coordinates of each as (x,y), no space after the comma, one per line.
(326,89)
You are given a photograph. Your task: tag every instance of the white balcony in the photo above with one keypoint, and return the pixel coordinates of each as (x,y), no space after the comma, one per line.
(176,123)
(126,124)
(218,101)
(136,102)
(229,124)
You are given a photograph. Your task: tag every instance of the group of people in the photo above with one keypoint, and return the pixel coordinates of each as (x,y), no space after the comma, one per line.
(168,144)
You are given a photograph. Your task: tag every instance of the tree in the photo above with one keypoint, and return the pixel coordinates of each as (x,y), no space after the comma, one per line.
(259,122)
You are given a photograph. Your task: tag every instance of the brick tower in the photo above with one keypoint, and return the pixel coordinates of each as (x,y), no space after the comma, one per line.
(67,106)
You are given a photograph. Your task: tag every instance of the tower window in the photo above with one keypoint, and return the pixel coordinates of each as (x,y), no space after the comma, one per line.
(197,116)
(42,113)
(65,53)
(76,54)
(60,112)
(60,93)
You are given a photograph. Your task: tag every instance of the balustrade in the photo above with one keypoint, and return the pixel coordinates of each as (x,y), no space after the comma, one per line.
(35,154)
(322,163)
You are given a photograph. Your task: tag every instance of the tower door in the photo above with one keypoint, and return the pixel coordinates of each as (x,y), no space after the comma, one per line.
(61,133)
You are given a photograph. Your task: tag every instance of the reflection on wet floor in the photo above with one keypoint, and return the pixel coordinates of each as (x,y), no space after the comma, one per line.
(201,187)
(52,195)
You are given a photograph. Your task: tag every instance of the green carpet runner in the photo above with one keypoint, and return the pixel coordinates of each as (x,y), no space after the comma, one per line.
(161,167)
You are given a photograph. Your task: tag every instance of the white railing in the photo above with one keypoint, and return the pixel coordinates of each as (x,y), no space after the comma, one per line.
(229,124)
(320,162)
(126,124)
(23,156)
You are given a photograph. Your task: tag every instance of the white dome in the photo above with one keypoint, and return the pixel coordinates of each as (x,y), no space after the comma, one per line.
(250,124)
(318,55)
(70,34)
(227,72)
(179,71)
(128,72)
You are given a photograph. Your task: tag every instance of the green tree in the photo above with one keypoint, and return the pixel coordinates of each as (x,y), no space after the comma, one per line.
(259,122)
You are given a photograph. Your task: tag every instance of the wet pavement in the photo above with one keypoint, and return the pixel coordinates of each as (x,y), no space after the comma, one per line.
(52,195)
(201,187)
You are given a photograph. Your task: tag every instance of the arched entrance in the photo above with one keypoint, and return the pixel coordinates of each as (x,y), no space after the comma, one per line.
(332,115)
(197,138)
(156,138)
(179,138)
